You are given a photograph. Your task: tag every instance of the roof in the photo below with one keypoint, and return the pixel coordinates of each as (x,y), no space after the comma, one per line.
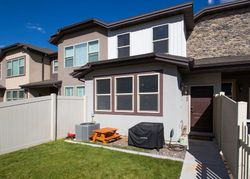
(25,45)
(221,8)
(53,55)
(186,65)
(186,9)
(90,23)
(42,84)
(131,60)
(225,63)
(2,87)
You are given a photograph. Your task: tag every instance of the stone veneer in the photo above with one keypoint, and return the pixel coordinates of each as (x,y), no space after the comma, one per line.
(221,34)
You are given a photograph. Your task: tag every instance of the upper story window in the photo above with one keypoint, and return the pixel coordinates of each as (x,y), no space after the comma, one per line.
(55,66)
(123,45)
(80,54)
(160,39)
(15,67)
(13,95)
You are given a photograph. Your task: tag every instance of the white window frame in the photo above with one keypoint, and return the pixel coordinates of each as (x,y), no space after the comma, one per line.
(76,90)
(16,59)
(53,67)
(139,93)
(110,94)
(160,39)
(18,91)
(121,94)
(69,87)
(124,45)
(73,45)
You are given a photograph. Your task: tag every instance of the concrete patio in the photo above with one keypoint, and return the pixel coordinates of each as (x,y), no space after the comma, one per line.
(203,160)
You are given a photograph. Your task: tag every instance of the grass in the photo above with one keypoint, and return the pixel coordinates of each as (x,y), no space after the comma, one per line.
(63,160)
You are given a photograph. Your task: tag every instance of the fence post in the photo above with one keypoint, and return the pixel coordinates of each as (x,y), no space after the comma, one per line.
(221,119)
(241,118)
(53,116)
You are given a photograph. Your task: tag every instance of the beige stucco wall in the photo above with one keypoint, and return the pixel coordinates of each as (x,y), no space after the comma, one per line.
(36,67)
(79,37)
(14,82)
(172,116)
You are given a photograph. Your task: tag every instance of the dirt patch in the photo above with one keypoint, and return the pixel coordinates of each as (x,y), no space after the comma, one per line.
(176,150)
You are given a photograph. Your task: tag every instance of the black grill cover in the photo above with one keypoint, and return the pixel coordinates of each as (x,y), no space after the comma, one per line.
(146,135)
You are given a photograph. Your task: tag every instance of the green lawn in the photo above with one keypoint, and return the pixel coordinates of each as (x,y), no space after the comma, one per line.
(63,160)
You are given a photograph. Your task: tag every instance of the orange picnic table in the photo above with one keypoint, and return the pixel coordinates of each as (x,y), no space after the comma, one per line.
(105,135)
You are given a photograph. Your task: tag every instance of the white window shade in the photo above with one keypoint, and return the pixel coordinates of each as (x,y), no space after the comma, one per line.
(15,67)
(81,54)
(69,52)
(93,46)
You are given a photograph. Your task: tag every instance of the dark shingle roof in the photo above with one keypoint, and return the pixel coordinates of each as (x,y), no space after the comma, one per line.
(221,8)
(2,87)
(221,61)
(186,9)
(25,45)
(132,60)
(41,84)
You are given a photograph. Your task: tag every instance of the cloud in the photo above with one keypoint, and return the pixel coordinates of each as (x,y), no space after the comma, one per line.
(225,1)
(36,27)
(210,2)
(2,46)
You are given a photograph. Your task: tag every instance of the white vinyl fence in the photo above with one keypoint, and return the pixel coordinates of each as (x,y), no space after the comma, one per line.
(29,122)
(231,133)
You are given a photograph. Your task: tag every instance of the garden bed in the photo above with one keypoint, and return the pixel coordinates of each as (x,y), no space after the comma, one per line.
(175,151)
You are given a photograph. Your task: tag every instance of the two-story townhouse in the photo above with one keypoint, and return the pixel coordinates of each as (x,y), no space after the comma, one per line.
(136,76)
(164,66)
(21,66)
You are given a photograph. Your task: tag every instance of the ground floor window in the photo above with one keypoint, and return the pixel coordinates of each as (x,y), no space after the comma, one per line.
(74,91)
(124,93)
(134,93)
(13,95)
(103,94)
(148,93)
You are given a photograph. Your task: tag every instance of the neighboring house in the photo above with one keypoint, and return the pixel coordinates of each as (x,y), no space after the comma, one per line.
(22,66)
(220,45)
(131,68)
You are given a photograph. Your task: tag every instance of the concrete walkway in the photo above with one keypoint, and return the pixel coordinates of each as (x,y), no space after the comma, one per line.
(203,160)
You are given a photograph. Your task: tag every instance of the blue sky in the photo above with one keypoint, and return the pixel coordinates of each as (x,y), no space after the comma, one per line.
(34,21)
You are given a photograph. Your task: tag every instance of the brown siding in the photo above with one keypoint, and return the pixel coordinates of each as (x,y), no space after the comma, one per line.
(92,34)
(221,34)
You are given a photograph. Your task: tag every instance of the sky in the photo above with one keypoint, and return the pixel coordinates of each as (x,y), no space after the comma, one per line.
(34,21)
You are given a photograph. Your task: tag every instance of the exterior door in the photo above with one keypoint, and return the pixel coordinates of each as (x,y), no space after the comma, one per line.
(202,109)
